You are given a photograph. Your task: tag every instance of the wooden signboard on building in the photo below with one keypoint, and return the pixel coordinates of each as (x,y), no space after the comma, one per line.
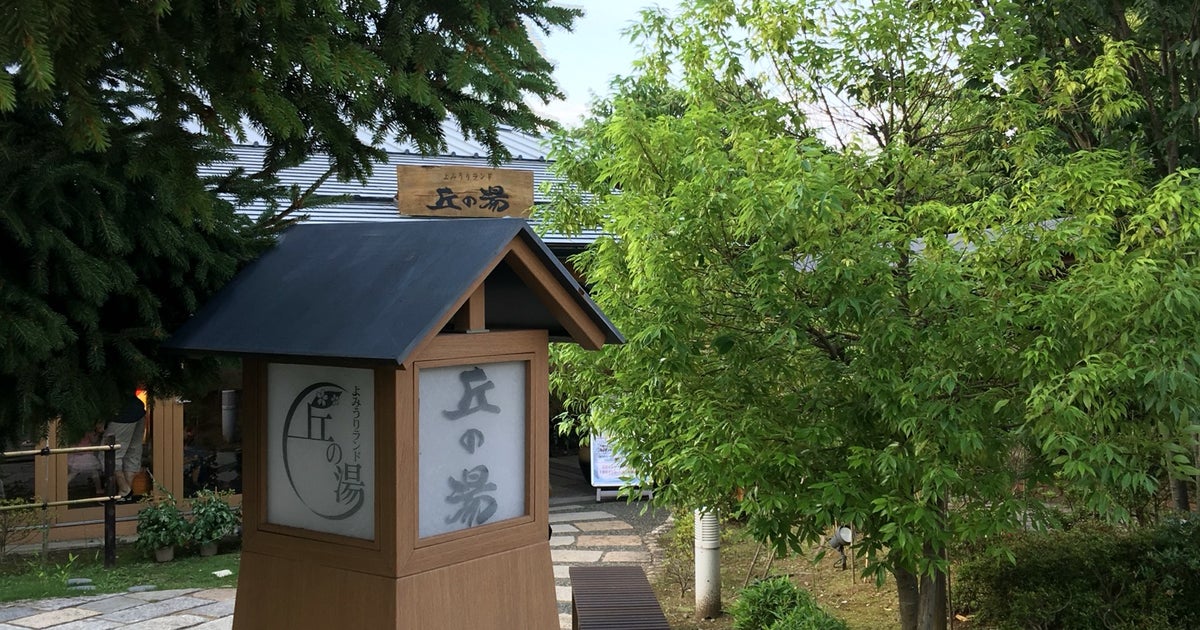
(464,191)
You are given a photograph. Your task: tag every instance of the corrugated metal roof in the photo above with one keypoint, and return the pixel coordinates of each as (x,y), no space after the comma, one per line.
(375,199)
(382,181)
(374,291)
(521,146)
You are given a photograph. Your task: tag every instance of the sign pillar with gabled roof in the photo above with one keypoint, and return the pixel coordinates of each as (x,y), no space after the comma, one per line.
(396,405)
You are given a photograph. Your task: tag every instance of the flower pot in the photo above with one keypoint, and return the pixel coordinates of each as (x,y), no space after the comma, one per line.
(164,554)
(140,484)
(208,549)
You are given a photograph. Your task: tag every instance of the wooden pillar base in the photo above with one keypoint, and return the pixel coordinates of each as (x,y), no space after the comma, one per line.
(503,591)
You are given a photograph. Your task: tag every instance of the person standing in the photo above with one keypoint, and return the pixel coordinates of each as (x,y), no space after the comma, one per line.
(127,428)
(88,463)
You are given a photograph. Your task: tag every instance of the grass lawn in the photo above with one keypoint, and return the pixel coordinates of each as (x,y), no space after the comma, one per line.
(27,577)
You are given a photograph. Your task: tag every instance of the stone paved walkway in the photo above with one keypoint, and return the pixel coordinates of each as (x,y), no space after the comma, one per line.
(582,534)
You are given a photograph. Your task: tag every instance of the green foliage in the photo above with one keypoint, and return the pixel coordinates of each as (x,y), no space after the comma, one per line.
(212,517)
(54,572)
(776,604)
(808,616)
(306,77)
(679,550)
(17,526)
(108,109)
(1091,576)
(161,524)
(763,603)
(1110,74)
(888,323)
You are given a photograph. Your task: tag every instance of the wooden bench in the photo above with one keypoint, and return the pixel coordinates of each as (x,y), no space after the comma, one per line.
(614,597)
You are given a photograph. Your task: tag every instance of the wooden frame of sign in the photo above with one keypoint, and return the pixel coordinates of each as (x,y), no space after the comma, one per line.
(505,565)
(463,191)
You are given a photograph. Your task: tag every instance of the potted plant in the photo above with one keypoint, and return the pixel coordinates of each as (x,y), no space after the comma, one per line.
(160,527)
(212,519)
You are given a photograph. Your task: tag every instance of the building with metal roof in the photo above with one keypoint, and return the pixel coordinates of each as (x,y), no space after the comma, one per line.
(375,199)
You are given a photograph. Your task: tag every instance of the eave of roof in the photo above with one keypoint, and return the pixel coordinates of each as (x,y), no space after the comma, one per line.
(370,291)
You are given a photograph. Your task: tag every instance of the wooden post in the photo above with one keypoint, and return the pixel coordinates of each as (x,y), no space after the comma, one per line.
(110,506)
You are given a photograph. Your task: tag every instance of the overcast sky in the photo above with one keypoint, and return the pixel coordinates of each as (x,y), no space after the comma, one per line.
(588,58)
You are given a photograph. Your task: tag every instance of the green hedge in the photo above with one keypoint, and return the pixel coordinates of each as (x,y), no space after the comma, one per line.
(776,604)
(1091,576)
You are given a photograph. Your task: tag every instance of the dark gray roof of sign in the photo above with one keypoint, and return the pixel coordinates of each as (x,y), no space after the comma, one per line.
(373,291)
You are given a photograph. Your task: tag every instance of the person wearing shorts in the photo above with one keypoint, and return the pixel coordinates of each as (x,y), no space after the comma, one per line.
(127,429)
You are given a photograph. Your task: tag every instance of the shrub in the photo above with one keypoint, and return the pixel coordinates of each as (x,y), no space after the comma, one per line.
(763,603)
(808,615)
(212,517)
(160,524)
(776,604)
(1092,576)
(18,525)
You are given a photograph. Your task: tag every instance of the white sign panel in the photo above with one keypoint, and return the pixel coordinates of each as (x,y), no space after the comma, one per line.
(321,448)
(472,446)
(608,466)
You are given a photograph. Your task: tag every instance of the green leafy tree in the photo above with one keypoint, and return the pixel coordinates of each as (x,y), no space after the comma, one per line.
(896,320)
(1148,54)
(108,108)
(1132,70)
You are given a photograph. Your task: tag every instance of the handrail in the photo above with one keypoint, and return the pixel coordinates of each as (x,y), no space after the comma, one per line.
(109,501)
(49,504)
(46,450)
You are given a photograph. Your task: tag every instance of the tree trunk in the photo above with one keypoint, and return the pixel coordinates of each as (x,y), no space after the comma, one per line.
(933,599)
(922,600)
(908,589)
(1179,495)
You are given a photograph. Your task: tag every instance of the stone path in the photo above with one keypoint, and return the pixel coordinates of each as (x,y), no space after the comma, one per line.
(582,534)
(589,536)
(209,609)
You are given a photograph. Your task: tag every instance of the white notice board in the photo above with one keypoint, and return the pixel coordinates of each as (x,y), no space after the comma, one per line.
(608,466)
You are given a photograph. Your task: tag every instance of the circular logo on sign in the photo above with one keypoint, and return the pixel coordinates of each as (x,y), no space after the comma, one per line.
(320,452)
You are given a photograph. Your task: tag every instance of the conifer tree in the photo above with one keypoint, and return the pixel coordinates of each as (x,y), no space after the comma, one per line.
(110,238)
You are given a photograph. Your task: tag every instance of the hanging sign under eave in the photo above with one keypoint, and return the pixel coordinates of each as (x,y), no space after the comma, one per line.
(463,191)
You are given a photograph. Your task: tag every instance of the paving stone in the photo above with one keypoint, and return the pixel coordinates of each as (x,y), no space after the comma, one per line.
(112,604)
(575,555)
(562,572)
(564,622)
(158,596)
(141,588)
(56,603)
(215,609)
(82,587)
(16,612)
(609,541)
(561,541)
(601,526)
(170,622)
(563,528)
(155,609)
(217,594)
(88,624)
(627,556)
(562,593)
(55,617)
(4,626)
(78,581)
(571,517)
(216,624)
